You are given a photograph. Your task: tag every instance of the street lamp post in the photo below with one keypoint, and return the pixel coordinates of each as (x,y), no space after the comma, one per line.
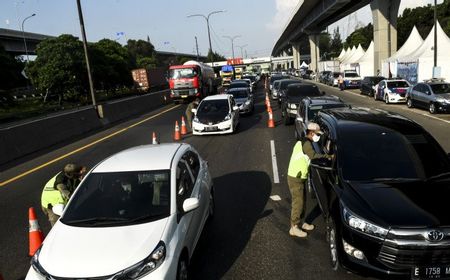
(207,24)
(23,35)
(242,49)
(232,42)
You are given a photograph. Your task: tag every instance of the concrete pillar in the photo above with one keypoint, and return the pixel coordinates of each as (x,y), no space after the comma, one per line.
(384,14)
(315,52)
(296,55)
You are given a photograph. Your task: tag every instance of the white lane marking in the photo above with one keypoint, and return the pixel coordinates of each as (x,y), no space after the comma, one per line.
(276,179)
(436,118)
(275,197)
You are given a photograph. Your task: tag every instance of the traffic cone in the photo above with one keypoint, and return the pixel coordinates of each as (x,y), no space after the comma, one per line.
(35,234)
(177,135)
(154,139)
(270,122)
(183,126)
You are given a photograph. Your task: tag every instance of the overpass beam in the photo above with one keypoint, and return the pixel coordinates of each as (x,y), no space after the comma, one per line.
(296,55)
(384,14)
(315,51)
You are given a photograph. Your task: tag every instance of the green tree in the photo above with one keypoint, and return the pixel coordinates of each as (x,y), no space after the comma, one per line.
(324,45)
(336,43)
(363,36)
(10,71)
(59,67)
(214,56)
(138,50)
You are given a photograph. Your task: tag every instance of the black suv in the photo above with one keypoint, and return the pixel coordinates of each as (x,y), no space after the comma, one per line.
(384,196)
(293,96)
(309,108)
(368,84)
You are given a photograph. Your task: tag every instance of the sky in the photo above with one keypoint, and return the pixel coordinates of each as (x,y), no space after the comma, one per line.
(259,23)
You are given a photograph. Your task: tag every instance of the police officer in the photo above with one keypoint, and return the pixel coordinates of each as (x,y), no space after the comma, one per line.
(297,175)
(59,189)
(189,108)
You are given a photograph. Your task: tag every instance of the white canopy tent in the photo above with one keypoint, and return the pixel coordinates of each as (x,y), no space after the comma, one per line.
(422,59)
(341,55)
(350,62)
(366,62)
(349,52)
(304,65)
(411,44)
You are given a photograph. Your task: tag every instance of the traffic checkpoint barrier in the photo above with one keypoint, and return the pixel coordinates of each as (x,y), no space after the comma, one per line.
(177,134)
(270,122)
(183,126)
(154,139)
(35,235)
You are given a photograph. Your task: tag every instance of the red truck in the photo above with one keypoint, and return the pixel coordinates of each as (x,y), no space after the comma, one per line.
(146,79)
(190,80)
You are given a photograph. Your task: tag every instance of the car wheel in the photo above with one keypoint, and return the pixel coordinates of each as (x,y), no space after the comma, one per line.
(386,98)
(182,269)
(432,108)
(409,103)
(332,242)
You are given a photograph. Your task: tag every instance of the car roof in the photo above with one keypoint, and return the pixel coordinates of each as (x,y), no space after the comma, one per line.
(325,99)
(238,89)
(238,81)
(347,117)
(146,157)
(300,85)
(217,97)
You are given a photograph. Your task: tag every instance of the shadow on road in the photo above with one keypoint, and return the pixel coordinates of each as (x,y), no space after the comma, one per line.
(240,200)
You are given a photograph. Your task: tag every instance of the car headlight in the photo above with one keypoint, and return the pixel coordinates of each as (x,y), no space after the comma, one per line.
(196,120)
(37,266)
(363,226)
(145,266)
(292,106)
(247,102)
(441,100)
(228,117)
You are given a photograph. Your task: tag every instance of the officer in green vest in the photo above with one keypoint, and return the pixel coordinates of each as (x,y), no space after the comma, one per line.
(297,175)
(59,189)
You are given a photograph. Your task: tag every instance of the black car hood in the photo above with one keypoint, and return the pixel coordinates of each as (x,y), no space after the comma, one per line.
(409,204)
(212,118)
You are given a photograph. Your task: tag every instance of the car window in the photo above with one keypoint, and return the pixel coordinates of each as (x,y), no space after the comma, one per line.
(315,109)
(396,84)
(184,184)
(440,88)
(194,163)
(239,93)
(120,198)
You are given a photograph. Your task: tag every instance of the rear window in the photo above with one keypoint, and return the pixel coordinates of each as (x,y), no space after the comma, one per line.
(239,93)
(397,84)
(303,91)
(239,85)
(351,75)
(314,109)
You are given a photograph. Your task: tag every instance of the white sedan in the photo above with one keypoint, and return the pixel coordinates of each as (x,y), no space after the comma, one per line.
(137,215)
(216,114)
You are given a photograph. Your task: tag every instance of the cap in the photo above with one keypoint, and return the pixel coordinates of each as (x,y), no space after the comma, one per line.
(314,127)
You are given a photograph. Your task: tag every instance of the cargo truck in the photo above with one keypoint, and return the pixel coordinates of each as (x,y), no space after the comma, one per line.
(226,73)
(190,80)
(151,78)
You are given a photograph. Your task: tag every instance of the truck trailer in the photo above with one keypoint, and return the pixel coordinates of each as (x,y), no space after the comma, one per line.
(151,78)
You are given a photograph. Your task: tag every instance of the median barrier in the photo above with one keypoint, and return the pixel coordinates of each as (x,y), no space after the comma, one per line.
(27,137)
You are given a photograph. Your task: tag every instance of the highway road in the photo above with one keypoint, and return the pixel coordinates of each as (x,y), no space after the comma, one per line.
(248,238)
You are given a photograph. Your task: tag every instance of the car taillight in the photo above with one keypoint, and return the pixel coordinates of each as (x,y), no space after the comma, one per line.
(171,84)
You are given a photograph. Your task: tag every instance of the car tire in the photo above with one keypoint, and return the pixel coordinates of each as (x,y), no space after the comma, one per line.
(182,268)
(432,108)
(409,103)
(386,98)
(332,244)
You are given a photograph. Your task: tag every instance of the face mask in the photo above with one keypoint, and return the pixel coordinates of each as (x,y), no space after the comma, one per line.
(316,138)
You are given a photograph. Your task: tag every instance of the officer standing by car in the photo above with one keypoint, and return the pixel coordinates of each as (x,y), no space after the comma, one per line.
(341,82)
(297,175)
(59,189)
(189,108)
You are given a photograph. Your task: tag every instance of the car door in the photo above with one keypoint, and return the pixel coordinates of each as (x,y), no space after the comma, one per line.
(420,96)
(300,119)
(323,181)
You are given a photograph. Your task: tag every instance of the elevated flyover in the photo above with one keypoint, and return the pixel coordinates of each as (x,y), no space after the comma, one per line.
(313,16)
(13,41)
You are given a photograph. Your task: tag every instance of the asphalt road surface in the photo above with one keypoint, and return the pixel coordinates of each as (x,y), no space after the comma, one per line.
(248,238)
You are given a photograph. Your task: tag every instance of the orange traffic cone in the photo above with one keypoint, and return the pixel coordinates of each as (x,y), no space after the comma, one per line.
(270,122)
(154,139)
(35,234)
(183,126)
(177,135)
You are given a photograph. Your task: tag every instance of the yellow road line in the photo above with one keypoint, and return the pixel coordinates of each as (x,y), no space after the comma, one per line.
(4,183)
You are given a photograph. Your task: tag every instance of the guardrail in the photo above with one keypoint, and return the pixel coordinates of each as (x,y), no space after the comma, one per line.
(27,137)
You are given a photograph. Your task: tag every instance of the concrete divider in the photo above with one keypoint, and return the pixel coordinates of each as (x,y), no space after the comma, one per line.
(27,137)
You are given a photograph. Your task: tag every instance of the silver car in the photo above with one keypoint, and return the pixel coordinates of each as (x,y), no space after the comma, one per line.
(433,95)
(244,100)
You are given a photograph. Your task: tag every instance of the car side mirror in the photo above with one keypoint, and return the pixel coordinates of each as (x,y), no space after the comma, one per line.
(235,108)
(58,209)
(321,163)
(190,204)
(193,110)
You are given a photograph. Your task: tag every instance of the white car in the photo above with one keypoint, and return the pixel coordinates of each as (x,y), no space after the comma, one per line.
(216,114)
(275,89)
(392,91)
(137,215)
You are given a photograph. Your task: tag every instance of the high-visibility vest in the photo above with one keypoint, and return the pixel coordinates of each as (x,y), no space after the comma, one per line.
(299,163)
(51,195)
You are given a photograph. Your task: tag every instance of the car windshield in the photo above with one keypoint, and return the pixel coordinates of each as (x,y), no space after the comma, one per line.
(440,88)
(351,75)
(314,109)
(239,84)
(376,152)
(274,78)
(397,84)
(303,91)
(213,107)
(239,93)
(182,73)
(120,198)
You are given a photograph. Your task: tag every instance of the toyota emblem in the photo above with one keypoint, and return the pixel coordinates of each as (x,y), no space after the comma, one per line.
(435,235)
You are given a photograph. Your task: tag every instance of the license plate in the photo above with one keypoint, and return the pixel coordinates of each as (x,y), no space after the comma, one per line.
(431,272)
(184,96)
(211,128)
